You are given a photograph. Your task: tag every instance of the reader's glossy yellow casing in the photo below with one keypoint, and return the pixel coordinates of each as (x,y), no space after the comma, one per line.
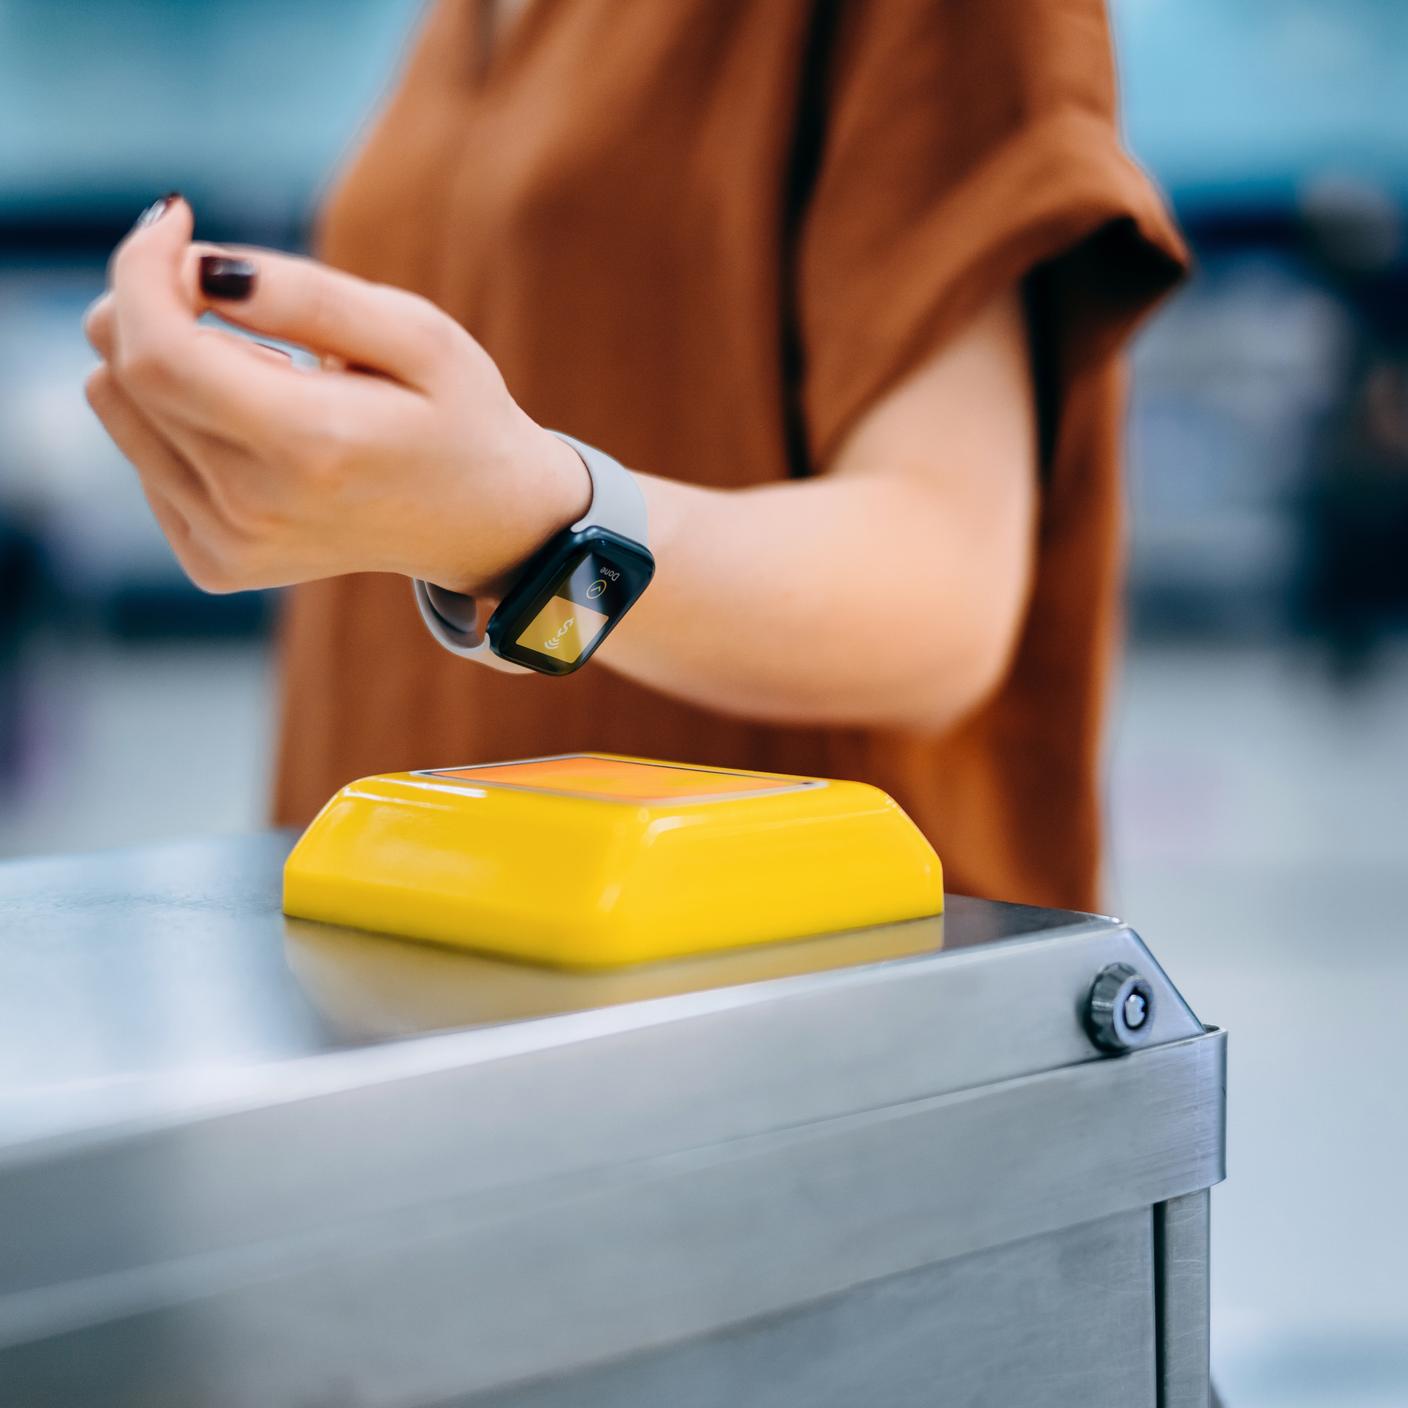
(592,860)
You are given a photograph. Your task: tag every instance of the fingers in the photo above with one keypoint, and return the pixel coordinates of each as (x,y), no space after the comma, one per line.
(199,474)
(149,305)
(335,314)
(171,486)
(101,331)
(169,364)
(213,530)
(99,328)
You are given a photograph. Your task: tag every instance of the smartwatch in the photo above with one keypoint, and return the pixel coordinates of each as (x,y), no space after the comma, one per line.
(569,595)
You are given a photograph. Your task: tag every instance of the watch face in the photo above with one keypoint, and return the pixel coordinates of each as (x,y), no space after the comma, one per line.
(567,603)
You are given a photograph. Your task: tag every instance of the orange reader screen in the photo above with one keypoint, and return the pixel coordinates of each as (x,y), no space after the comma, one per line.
(619,779)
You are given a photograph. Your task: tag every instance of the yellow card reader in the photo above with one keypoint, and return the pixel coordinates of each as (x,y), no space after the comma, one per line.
(591,860)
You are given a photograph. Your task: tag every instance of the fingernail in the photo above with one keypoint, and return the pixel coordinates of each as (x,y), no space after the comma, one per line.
(156,210)
(224,277)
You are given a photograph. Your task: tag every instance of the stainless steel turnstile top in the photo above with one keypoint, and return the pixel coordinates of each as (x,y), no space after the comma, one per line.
(246,1160)
(167,979)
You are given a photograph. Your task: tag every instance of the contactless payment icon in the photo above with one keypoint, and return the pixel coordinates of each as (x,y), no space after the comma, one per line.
(563,628)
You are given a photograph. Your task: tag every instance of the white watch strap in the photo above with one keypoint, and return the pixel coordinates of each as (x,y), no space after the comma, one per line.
(617,503)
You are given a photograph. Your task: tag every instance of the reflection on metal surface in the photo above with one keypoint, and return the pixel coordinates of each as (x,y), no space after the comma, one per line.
(162,979)
(251,1161)
(375,985)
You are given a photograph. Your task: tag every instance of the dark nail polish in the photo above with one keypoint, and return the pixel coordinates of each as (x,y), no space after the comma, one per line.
(156,210)
(222,276)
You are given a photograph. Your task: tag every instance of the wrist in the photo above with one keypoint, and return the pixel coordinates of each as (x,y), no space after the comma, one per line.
(547,488)
(573,586)
(563,491)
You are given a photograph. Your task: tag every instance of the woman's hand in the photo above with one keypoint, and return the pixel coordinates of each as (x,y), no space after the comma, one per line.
(405,453)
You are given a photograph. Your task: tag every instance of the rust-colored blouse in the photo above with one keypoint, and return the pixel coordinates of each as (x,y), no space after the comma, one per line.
(706,235)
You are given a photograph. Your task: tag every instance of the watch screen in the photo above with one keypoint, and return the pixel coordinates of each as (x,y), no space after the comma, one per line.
(563,629)
(573,606)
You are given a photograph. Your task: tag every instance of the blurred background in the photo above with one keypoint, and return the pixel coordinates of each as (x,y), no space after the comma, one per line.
(1259,766)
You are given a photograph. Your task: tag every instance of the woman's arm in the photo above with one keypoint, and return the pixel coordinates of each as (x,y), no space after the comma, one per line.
(888,590)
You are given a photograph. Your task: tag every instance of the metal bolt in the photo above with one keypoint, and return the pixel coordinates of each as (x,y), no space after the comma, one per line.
(1135,1011)
(1120,1009)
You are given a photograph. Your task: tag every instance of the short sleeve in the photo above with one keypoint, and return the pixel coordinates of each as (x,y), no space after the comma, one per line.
(967,146)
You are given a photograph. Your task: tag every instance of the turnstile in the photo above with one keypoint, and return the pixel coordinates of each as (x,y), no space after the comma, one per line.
(246,1160)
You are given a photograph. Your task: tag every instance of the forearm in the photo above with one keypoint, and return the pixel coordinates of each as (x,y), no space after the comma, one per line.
(887,590)
(839,600)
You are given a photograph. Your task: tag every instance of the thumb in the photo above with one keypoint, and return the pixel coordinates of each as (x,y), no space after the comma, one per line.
(150,300)
(332,313)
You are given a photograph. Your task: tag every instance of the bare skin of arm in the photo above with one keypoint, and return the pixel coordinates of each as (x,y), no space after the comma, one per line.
(887,590)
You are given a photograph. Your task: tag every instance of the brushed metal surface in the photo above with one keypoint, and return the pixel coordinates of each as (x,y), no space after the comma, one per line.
(161,982)
(544,1270)
(1063,1320)
(1181,1271)
(235,1146)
